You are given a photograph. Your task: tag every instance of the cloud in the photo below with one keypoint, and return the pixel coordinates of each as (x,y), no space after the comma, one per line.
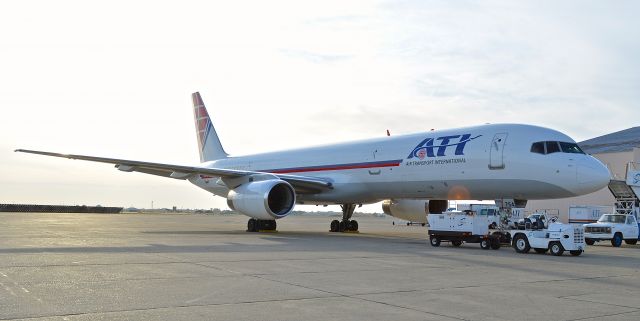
(315,57)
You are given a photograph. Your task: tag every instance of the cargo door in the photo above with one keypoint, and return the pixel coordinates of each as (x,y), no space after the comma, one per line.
(496,151)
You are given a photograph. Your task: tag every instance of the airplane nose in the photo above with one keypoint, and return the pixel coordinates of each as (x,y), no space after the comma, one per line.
(593,175)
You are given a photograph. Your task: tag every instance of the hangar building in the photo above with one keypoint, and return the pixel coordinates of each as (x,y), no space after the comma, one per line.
(615,150)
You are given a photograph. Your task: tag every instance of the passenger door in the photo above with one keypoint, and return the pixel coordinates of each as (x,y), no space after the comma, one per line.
(496,151)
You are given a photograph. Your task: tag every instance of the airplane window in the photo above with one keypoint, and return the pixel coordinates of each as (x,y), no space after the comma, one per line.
(552,147)
(538,148)
(571,148)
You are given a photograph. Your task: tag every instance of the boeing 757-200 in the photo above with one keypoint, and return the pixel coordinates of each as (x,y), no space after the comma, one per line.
(495,161)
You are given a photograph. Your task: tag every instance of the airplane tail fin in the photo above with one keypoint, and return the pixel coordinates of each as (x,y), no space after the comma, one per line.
(209,144)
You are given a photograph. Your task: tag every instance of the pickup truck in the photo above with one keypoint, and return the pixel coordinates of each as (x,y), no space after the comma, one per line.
(613,227)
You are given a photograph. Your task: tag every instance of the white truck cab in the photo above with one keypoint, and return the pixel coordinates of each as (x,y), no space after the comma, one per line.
(613,227)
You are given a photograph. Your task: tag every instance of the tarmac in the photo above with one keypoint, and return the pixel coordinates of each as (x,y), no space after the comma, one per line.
(203,267)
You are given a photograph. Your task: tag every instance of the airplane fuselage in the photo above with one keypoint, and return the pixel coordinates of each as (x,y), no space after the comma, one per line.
(480,162)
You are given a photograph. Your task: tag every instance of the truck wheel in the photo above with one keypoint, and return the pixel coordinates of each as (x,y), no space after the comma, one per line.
(540,250)
(616,241)
(631,242)
(495,244)
(576,252)
(434,241)
(456,243)
(485,244)
(589,241)
(556,248)
(521,244)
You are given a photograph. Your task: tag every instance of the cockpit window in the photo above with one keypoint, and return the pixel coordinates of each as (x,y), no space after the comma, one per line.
(552,147)
(538,148)
(572,148)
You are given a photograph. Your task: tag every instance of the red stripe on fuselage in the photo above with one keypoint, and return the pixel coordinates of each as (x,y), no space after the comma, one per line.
(332,168)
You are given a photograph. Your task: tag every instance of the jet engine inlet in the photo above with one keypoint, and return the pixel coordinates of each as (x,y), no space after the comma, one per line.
(264,200)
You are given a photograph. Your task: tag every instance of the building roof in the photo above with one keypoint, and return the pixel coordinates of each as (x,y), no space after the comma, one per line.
(622,141)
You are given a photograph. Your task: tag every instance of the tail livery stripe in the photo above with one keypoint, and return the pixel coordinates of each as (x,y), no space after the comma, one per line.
(209,145)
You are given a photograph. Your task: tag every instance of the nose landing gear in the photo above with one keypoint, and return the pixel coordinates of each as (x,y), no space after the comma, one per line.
(346,225)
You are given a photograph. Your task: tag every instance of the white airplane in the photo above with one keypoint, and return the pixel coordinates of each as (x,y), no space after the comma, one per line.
(423,170)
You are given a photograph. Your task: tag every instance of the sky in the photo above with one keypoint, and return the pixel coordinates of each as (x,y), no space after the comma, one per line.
(114,79)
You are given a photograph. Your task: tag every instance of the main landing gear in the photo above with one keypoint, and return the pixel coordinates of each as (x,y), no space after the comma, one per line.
(255,225)
(346,225)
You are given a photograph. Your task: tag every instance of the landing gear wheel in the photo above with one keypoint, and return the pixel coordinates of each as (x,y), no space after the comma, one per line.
(616,241)
(631,242)
(540,250)
(434,241)
(267,225)
(495,244)
(556,248)
(521,244)
(589,241)
(485,244)
(335,225)
(252,225)
(456,243)
(576,252)
(346,224)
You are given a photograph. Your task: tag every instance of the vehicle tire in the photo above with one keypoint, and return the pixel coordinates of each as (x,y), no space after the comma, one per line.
(556,248)
(540,250)
(485,244)
(252,225)
(335,225)
(434,240)
(423,224)
(408,223)
(456,243)
(521,243)
(616,241)
(576,252)
(342,226)
(495,244)
(353,226)
(631,242)
(589,241)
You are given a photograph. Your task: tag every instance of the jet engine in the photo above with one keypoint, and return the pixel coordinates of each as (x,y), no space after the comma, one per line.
(263,200)
(413,210)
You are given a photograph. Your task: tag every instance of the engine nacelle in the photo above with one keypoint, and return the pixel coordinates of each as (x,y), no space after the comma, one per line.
(263,200)
(413,210)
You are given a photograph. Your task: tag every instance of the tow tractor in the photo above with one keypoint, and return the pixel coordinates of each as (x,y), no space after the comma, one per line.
(459,227)
(557,238)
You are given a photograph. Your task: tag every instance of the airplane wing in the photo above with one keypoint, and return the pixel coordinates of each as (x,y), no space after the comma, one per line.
(302,184)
